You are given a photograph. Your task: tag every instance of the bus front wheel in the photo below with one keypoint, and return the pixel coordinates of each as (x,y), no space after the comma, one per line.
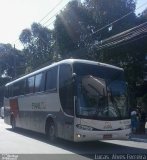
(51,132)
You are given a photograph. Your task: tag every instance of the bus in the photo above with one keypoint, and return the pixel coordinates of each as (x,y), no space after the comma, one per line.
(76,100)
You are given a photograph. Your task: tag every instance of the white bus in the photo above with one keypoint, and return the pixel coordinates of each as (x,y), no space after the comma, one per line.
(76,100)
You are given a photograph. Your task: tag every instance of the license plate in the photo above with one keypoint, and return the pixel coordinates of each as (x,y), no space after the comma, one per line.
(107,136)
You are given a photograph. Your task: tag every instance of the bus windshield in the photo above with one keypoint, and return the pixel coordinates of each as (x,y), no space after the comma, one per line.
(101,96)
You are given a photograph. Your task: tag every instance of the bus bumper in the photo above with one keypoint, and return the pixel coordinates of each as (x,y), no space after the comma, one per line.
(81,136)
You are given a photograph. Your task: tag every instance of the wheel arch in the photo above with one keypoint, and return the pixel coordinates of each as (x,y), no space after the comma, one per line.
(50,118)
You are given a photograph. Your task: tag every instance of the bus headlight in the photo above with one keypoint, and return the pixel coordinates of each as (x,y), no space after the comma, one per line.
(83,127)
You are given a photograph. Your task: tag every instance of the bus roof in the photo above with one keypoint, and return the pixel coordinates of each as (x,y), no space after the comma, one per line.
(66,61)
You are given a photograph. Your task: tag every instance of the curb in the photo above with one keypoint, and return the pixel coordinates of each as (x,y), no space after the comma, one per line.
(138,140)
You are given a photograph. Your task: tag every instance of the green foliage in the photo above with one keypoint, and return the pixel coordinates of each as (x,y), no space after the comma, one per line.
(11,61)
(3,81)
(74,27)
(78,29)
(38,45)
(130,56)
(25,37)
(104,12)
(71,29)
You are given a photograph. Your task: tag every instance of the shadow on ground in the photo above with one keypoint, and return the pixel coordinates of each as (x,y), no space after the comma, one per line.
(85,149)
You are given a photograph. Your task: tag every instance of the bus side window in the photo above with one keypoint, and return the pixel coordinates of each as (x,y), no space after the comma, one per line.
(19,88)
(66,89)
(15,89)
(51,80)
(40,82)
(30,85)
(10,91)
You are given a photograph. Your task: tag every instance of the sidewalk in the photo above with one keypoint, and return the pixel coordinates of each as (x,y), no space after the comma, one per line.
(139,137)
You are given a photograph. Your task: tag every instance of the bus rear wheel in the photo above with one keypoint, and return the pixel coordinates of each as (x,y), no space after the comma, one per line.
(51,132)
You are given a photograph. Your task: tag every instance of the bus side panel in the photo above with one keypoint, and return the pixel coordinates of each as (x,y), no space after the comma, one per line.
(69,128)
(65,126)
(14,107)
(33,110)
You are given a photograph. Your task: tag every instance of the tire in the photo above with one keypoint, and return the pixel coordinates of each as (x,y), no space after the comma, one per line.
(51,132)
(13,123)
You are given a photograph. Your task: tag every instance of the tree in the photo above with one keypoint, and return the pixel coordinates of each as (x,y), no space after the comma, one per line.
(128,55)
(142,17)
(11,61)
(71,28)
(105,12)
(82,24)
(38,45)
(111,17)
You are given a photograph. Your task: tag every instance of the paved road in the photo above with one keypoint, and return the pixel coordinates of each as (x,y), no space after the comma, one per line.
(32,145)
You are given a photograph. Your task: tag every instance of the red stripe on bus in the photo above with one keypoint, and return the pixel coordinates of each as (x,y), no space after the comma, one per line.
(14,106)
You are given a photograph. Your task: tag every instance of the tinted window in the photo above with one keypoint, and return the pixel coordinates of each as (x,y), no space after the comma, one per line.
(39,82)
(66,89)
(21,85)
(15,89)
(51,81)
(100,71)
(30,85)
(10,91)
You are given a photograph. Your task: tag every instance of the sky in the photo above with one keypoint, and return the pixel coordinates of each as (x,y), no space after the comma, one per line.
(16,15)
